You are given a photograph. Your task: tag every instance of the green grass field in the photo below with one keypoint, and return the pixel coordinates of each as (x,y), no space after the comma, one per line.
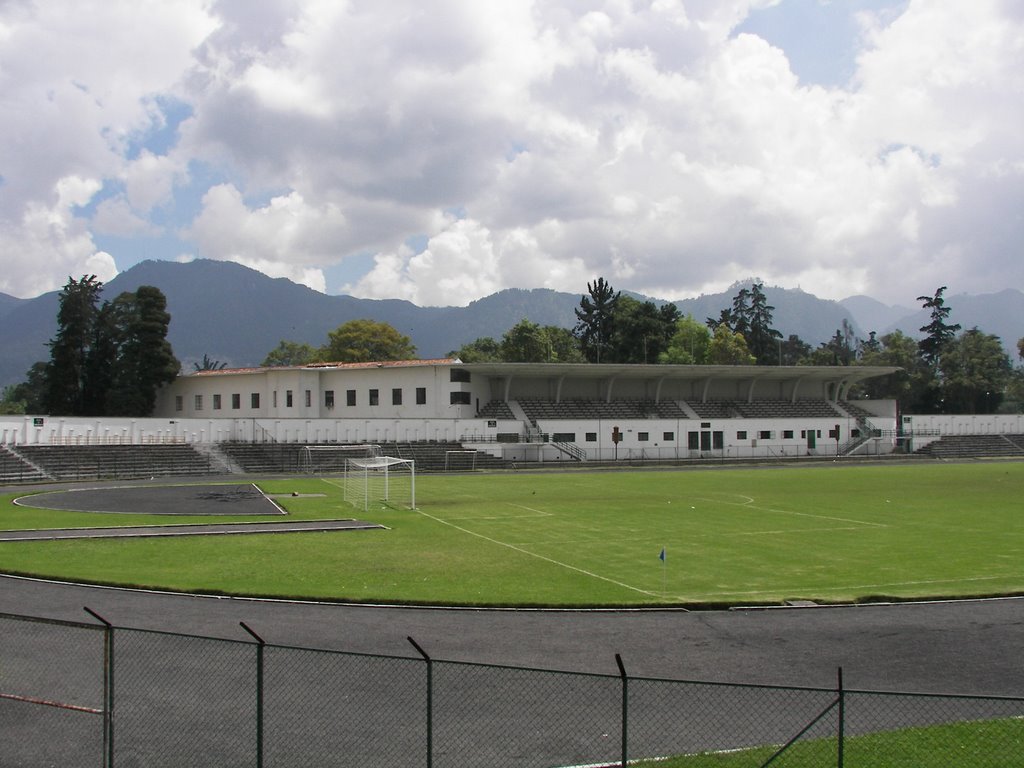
(965,745)
(735,536)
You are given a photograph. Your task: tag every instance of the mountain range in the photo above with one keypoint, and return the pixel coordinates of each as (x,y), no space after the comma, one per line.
(236,315)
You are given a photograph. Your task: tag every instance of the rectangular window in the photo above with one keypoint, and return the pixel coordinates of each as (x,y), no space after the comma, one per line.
(787,434)
(329,398)
(591,437)
(421,395)
(254,400)
(669,436)
(216,402)
(693,440)
(199,402)
(374,397)
(273,399)
(705,425)
(236,402)
(179,403)
(765,434)
(287,398)
(741,434)
(459,375)
(350,397)
(643,437)
(563,437)
(396,396)
(460,398)
(309,398)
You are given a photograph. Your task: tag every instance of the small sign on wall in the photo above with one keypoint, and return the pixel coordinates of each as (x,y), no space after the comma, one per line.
(38,421)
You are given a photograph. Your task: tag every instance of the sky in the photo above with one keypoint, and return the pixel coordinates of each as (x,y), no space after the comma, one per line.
(440,152)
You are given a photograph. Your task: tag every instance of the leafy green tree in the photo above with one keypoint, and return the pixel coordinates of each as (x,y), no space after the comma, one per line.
(289,353)
(145,360)
(728,347)
(28,396)
(595,319)
(689,344)
(565,347)
(69,349)
(641,330)
(908,386)
(364,341)
(525,342)
(975,372)
(795,351)
(938,332)
(839,350)
(482,350)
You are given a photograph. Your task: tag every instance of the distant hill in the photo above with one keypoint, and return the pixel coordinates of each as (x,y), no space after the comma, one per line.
(236,315)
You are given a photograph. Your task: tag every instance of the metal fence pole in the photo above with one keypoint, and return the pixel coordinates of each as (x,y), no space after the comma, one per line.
(842,719)
(625,710)
(108,687)
(430,701)
(259,693)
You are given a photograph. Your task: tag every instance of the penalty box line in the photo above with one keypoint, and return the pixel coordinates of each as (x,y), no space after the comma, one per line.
(527,552)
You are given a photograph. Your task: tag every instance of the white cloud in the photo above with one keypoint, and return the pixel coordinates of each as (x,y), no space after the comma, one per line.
(645,142)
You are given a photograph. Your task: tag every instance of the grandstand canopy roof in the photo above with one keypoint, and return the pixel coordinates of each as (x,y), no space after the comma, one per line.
(838,377)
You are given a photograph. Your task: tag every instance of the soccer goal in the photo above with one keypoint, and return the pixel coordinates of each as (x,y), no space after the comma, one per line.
(381,480)
(455,461)
(330,459)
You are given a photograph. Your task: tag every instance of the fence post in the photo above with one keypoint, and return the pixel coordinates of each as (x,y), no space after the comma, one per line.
(108,687)
(259,692)
(842,718)
(625,709)
(430,701)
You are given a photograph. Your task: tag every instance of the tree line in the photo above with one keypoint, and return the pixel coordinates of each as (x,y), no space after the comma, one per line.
(107,358)
(111,358)
(947,371)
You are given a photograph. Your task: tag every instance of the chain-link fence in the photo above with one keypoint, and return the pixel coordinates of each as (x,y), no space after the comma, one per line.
(84,694)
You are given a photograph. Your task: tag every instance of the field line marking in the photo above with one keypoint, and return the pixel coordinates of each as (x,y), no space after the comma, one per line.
(539,557)
(536,513)
(750,503)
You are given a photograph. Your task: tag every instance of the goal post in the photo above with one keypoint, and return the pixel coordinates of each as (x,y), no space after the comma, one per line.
(380,479)
(459,460)
(330,459)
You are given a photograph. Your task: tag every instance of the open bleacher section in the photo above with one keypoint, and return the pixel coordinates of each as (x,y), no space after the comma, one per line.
(15,469)
(974,446)
(87,462)
(273,458)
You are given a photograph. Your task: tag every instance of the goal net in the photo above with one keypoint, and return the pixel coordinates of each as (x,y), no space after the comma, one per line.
(382,480)
(330,459)
(459,460)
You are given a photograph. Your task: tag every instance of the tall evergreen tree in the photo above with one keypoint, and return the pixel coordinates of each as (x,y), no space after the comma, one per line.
(595,319)
(145,360)
(69,349)
(938,332)
(762,339)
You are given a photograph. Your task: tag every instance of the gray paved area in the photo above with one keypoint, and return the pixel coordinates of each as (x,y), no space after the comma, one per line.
(961,647)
